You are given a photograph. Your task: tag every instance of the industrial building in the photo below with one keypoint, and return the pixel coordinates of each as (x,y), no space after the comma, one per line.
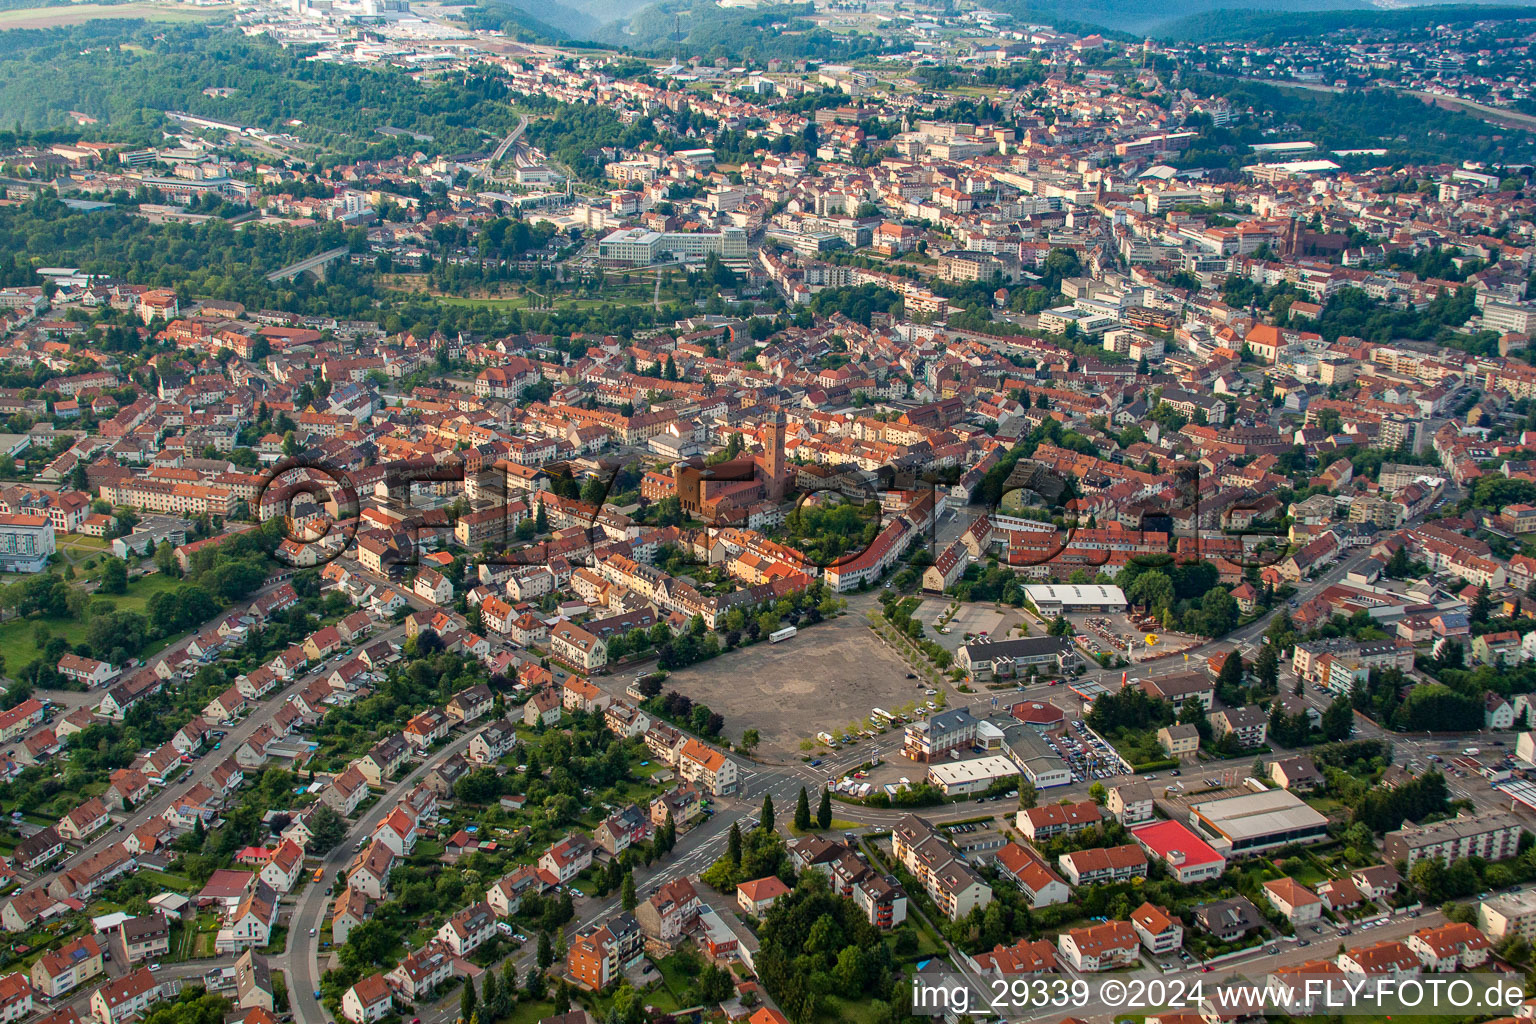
(1043,767)
(1058,598)
(958,778)
(1242,826)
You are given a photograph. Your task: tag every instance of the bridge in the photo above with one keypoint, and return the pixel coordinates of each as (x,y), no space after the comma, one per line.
(511,139)
(314,265)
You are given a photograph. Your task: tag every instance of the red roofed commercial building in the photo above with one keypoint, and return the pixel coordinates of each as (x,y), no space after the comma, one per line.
(1188,858)
(1040,716)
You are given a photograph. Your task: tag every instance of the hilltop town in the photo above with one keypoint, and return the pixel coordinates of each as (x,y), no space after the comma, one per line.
(733,533)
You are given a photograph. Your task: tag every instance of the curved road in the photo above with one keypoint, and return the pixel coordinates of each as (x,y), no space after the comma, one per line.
(511,139)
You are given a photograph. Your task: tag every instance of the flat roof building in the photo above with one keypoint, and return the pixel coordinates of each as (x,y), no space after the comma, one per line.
(1241,826)
(639,247)
(961,777)
(1043,767)
(1188,857)
(1054,598)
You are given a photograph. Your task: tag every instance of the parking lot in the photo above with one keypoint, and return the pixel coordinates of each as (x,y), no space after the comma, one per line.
(971,621)
(1090,758)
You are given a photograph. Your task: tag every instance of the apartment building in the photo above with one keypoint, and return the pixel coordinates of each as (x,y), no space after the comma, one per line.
(1491,836)
(953,885)
(708,768)
(1102,947)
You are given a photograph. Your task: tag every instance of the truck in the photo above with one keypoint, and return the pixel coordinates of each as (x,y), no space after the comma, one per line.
(782,634)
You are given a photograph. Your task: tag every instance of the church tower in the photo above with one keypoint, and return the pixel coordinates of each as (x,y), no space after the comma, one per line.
(775,485)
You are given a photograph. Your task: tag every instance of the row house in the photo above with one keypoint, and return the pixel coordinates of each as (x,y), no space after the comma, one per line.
(1109,864)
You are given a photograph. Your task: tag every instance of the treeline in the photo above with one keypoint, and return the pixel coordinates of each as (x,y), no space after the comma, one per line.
(207,260)
(1445,706)
(46,74)
(1413,131)
(743,34)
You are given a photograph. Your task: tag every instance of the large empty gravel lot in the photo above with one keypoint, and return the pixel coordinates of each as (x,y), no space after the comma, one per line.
(828,675)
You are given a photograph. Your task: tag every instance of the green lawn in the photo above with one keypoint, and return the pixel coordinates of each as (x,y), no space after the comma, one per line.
(848,1011)
(175,883)
(530,1013)
(17,644)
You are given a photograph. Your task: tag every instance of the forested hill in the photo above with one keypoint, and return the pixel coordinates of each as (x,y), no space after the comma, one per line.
(127,80)
(1271,27)
(737,33)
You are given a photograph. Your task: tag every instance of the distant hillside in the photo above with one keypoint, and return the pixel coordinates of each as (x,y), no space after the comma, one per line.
(505,16)
(758,33)
(1273,26)
(1214,20)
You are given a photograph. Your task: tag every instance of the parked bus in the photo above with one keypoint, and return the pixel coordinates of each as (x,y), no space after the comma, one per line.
(782,634)
(882,716)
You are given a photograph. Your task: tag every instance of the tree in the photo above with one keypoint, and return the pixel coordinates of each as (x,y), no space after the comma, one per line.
(490,996)
(1338,720)
(824,810)
(1098,794)
(1029,796)
(733,846)
(1266,668)
(546,953)
(749,740)
(467,1000)
(803,812)
(627,895)
(165,559)
(114,576)
(1482,606)
(327,828)
(767,816)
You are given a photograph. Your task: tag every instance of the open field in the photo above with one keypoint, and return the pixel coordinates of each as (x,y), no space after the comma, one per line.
(18,636)
(79,14)
(832,673)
